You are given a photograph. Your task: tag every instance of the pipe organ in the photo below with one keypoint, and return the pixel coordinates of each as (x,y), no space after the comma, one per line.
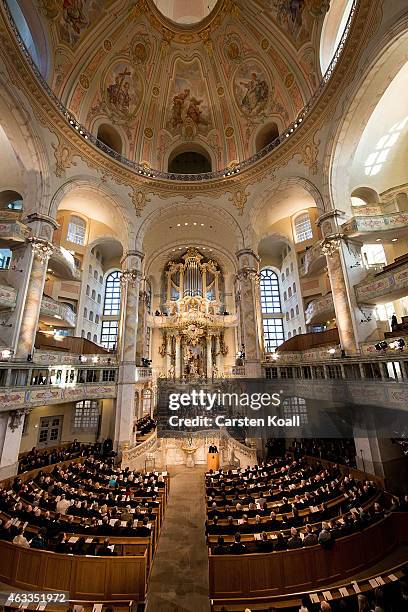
(193,340)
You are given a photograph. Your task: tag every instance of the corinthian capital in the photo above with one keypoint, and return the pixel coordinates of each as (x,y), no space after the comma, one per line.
(43,249)
(248,274)
(130,277)
(331,244)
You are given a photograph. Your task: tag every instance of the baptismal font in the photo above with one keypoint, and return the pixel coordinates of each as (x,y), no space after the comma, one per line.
(193,340)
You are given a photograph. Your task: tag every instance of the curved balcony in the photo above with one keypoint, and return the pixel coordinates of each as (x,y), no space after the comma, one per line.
(363,224)
(12,230)
(314,260)
(79,134)
(62,263)
(56,313)
(8,297)
(319,310)
(20,397)
(385,286)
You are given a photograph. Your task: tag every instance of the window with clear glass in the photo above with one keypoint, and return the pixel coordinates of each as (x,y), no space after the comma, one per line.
(271,310)
(303,228)
(270,294)
(273,333)
(76,230)
(111,305)
(86,415)
(109,334)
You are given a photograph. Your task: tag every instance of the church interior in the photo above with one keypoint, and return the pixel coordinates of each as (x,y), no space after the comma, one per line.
(207,194)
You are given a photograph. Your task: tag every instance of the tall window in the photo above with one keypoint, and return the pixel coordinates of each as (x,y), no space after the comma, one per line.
(111,305)
(86,415)
(271,310)
(303,228)
(76,230)
(109,334)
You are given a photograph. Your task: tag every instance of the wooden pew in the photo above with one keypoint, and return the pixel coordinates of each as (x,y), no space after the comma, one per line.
(269,574)
(294,600)
(85,578)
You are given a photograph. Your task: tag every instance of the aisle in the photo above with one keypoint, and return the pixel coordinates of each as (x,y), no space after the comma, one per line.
(179,577)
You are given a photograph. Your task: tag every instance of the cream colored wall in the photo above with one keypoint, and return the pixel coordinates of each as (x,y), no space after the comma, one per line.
(29,440)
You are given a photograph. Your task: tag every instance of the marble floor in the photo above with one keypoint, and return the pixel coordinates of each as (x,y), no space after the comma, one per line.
(179,578)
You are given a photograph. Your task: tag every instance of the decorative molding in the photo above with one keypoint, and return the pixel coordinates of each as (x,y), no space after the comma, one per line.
(16,418)
(43,249)
(63,154)
(130,277)
(331,245)
(139,199)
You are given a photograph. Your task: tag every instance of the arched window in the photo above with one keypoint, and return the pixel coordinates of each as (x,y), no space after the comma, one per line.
(271,309)
(193,161)
(270,294)
(91,316)
(88,336)
(294,287)
(93,294)
(110,137)
(266,136)
(289,292)
(292,313)
(85,313)
(97,318)
(88,289)
(303,228)
(76,230)
(111,305)
(95,338)
(146,401)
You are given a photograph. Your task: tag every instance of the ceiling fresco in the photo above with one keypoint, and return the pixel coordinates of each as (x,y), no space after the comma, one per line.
(214,84)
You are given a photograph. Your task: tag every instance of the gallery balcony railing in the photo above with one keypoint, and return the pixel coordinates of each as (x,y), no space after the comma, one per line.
(387,285)
(375,223)
(51,309)
(319,309)
(206,176)
(313,259)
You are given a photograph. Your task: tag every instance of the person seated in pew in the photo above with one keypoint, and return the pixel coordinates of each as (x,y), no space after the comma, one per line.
(295,541)
(273,524)
(237,547)
(38,541)
(128,531)
(105,550)
(143,531)
(280,543)
(285,506)
(63,546)
(264,545)
(91,550)
(220,548)
(310,538)
(20,539)
(79,548)
(126,514)
(325,538)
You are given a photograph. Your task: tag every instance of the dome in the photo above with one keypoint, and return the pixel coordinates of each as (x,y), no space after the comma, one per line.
(149,79)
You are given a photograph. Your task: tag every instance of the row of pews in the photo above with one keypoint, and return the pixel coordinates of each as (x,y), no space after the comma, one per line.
(123,577)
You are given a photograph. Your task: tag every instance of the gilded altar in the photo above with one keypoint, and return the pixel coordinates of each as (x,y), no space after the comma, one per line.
(193,328)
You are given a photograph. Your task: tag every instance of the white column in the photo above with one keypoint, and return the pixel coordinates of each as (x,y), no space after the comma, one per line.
(40,252)
(250,310)
(11,428)
(209,357)
(125,403)
(178,358)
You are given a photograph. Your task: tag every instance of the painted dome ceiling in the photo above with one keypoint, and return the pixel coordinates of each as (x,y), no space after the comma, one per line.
(216,85)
